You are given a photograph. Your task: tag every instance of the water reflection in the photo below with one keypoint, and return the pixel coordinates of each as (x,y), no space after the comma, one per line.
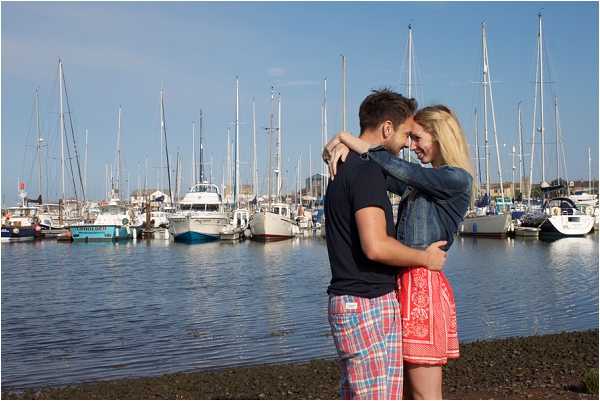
(77,312)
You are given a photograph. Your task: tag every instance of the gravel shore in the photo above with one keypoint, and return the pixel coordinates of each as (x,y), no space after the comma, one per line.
(537,367)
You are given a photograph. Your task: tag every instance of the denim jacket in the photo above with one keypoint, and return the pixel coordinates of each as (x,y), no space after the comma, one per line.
(434,200)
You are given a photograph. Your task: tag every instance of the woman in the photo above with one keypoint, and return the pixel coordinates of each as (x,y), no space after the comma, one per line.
(433,204)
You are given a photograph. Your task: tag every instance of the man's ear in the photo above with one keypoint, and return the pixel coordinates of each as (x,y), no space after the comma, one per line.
(387,130)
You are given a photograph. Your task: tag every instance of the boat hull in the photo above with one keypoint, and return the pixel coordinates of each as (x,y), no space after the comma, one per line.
(496,225)
(567,225)
(101,233)
(527,232)
(18,234)
(267,226)
(192,230)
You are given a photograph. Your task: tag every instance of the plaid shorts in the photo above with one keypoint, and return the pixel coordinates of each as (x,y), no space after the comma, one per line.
(368,336)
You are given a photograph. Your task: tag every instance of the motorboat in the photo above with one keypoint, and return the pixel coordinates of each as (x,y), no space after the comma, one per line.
(236,229)
(201,217)
(20,223)
(115,222)
(273,223)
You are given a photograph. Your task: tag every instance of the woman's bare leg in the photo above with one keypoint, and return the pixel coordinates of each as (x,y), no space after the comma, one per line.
(425,381)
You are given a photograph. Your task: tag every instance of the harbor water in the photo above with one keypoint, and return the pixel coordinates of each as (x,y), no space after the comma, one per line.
(82,312)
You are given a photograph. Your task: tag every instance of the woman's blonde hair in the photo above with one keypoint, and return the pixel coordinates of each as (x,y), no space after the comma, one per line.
(443,125)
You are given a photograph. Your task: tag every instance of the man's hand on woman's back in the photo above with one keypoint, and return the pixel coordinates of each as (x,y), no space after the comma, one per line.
(436,257)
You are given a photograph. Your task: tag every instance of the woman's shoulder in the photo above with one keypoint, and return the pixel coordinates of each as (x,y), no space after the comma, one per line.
(458,172)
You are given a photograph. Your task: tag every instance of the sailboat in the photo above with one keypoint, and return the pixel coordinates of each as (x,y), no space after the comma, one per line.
(240,216)
(560,216)
(115,222)
(274,222)
(486,220)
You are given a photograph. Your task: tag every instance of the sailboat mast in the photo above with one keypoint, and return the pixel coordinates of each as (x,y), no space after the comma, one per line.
(200,175)
(541,83)
(39,140)
(325,135)
(236,190)
(343,93)
(485,113)
(519,129)
(162,168)
(270,130)
(533,123)
(62,129)
(254,170)
(118,187)
(409,61)
(163,126)
(557,140)
(310,169)
(590,170)
(85,165)
(194,180)
(279,178)
(229,179)
(498,160)
(410,65)
(478,161)
(299,170)
(514,168)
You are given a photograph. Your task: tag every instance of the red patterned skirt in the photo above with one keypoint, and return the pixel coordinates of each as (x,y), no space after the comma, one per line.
(429,335)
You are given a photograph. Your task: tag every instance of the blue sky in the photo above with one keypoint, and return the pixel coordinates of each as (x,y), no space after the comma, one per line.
(121,53)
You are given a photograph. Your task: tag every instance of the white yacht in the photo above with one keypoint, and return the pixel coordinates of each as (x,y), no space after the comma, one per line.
(273,223)
(564,219)
(582,198)
(201,217)
(492,225)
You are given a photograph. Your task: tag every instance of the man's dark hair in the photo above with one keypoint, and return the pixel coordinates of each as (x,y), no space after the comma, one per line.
(385,104)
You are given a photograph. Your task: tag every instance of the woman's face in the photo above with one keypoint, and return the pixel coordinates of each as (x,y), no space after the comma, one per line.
(424,145)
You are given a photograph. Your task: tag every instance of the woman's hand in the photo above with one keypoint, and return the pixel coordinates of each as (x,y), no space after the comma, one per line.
(326,155)
(333,152)
(339,152)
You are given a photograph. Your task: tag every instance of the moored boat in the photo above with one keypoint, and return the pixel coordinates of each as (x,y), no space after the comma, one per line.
(493,225)
(564,219)
(273,224)
(201,217)
(114,223)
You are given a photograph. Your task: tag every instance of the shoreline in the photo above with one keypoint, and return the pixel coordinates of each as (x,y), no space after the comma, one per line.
(538,367)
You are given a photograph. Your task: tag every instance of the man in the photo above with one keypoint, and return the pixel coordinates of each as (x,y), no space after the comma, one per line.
(364,313)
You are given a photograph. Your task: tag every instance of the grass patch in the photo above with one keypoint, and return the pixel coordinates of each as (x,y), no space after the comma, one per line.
(590,379)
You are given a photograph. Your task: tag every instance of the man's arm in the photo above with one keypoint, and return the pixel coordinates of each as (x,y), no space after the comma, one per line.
(379,247)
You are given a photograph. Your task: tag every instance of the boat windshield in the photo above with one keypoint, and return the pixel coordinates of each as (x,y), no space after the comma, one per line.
(113,209)
(204,188)
(202,207)
(22,211)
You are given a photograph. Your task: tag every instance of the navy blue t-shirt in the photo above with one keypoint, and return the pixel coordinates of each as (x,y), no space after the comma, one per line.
(358,184)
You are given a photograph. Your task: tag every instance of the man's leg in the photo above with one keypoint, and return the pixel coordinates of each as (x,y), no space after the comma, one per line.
(395,360)
(356,328)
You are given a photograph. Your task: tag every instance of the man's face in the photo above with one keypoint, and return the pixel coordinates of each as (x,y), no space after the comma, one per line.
(399,138)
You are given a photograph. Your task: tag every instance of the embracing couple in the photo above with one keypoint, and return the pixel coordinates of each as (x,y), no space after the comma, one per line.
(391,309)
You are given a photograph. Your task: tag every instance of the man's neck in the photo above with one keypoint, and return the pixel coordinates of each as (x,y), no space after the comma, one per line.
(371,137)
